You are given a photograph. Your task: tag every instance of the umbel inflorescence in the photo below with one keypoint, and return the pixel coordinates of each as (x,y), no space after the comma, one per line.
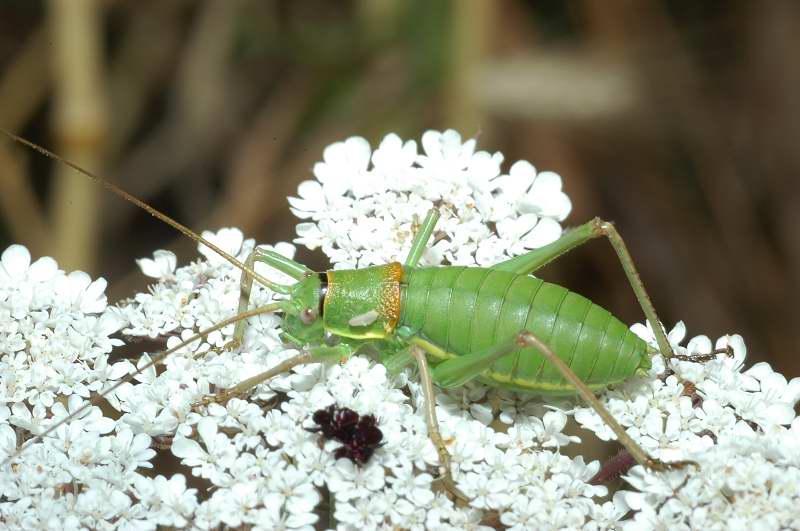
(259,463)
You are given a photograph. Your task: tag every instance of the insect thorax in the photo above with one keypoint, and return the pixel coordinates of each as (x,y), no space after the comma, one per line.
(363,303)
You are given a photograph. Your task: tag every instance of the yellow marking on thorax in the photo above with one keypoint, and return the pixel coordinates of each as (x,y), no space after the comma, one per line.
(328,290)
(389,307)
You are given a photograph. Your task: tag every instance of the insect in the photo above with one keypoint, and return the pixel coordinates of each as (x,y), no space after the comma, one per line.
(498,324)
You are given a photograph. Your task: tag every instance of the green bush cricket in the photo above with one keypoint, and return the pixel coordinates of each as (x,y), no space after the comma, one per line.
(497,324)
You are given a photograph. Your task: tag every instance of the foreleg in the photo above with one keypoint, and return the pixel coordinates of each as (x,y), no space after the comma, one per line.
(309,355)
(273,259)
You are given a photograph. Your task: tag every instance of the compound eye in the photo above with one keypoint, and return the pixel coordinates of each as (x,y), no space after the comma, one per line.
(308,316)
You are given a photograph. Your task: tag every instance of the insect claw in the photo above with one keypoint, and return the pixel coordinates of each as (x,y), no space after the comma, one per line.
(222,398)
(703,358)
(727,350)
(448,486)
(232,345)
(445,478)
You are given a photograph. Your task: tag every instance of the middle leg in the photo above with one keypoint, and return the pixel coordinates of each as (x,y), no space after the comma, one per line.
(429,396)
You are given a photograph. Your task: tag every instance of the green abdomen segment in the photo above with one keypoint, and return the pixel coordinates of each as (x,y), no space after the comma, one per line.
(465,310)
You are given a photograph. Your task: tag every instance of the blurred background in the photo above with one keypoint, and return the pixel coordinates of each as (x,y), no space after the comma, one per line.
(677,119)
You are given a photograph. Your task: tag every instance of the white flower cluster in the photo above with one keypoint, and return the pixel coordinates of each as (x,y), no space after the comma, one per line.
(256,464)
(363,204)
(55,340)
(740,427)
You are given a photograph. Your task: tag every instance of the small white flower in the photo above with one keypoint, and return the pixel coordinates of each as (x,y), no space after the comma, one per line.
(292,489)
(393,156)
(229,240)
(349,481)
(363,513)
(78,291)
(415,487)
(134,450)
(161,266)
(446,151)
(485,494)
(212,461)
(548,429)
(16,266)
(169,502)
(349,158)
(712,416)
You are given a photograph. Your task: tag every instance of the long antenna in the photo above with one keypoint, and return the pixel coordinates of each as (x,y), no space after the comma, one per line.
(183,229)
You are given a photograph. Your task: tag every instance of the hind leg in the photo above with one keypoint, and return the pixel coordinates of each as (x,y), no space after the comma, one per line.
(596,228)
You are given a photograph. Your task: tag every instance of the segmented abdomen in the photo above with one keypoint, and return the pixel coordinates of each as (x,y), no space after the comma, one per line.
(465,310)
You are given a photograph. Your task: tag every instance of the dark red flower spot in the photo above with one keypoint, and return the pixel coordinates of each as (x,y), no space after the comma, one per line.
(359,435)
